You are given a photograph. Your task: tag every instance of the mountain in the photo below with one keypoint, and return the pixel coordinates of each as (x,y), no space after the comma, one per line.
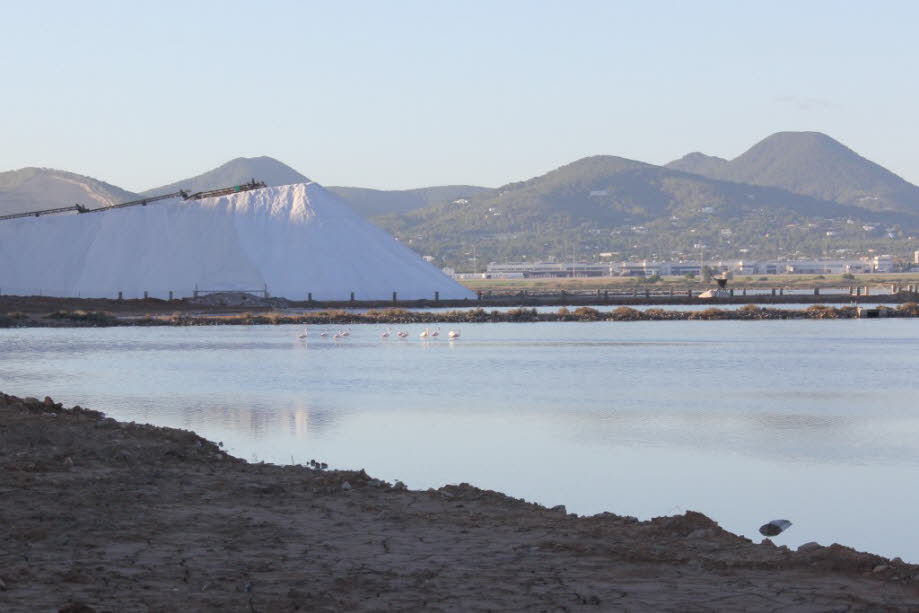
(235,172)
(372,202)
(294,239)
(368,202)
(698,164)
(612,204)
(34,189)
(812,164)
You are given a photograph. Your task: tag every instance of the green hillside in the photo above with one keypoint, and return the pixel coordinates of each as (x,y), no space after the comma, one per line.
(811,164)
(610,204)
(373,202)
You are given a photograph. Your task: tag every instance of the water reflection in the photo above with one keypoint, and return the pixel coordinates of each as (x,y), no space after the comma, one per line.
(734,419)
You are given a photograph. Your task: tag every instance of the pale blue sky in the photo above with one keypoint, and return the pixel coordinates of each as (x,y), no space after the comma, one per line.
(402,94)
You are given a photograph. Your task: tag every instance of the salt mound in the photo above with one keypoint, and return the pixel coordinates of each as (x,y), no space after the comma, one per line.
(294,239)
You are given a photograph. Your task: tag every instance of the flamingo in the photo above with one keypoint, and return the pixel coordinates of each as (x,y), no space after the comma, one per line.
(305,334)
(345,333)
(436,331)
(453,334)
(338,335)
(385,333)
(402,334)
(424,333)
(323,334)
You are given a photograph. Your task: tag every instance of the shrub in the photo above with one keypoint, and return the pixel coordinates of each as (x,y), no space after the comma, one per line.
(91,318)
(713,313)
(625,314)
(587,314)
(521,314)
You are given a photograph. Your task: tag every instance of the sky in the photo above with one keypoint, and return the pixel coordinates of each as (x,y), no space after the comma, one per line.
(403,94)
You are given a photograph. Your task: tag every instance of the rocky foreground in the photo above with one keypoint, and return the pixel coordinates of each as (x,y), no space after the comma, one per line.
(97,515)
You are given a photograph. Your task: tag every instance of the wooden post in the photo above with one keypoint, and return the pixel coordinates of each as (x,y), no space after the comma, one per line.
(816,291)
(170,295)
(773,291)
(352,296)
(437,296)
(119,295)
(647,293)
(395,297)
(781,291)
(732,292)
(145,295)
(745,291)
(689,293)
(309,296)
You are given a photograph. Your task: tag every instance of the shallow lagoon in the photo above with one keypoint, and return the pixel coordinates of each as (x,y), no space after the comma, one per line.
(816,421)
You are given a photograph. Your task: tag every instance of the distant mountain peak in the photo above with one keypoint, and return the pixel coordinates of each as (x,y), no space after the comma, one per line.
(812,164)
(817,165)
(698,163)
(238,170)
(813,143)
(34,189)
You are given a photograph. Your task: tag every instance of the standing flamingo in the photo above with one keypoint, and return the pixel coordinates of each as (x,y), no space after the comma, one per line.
(424,333)
(402,334)
(453,334)
(436,331)
(305,334)
(385,333)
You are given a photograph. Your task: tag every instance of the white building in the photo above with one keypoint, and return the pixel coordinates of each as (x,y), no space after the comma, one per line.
(883,263)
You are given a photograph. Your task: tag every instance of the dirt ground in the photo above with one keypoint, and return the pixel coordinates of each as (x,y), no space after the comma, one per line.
(97,515)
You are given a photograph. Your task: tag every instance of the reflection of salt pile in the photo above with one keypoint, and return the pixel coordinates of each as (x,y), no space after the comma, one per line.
(294,239)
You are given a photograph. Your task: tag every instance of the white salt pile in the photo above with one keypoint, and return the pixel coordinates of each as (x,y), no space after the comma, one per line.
(294,239)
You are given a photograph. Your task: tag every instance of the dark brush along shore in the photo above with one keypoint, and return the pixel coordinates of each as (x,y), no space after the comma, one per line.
(80,318)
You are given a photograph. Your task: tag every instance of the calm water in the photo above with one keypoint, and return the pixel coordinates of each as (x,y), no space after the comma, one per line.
(814,421)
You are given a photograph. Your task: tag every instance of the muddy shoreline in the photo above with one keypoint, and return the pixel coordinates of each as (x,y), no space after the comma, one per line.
(114,516)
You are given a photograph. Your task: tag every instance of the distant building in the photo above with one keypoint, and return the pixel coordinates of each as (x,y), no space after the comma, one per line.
(537,270)
(648,268)
(883,263)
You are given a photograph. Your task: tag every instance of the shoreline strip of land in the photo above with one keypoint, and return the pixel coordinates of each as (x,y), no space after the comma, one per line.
(99,515)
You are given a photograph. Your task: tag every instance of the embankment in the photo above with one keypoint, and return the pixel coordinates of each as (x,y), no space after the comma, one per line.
(81,318)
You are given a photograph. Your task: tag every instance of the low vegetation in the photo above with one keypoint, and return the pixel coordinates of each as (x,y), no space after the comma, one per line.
(476,315)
